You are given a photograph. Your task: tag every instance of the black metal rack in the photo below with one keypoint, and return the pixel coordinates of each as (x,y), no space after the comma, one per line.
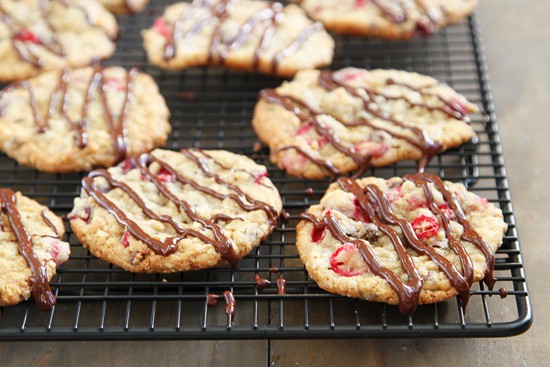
(212,108)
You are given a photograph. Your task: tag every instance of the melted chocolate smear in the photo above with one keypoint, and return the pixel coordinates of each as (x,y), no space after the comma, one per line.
(169,245)
(261,283)
(220,11)
(285,216)
(40,288)
(503,292)
(230,303)
(212,299)
(281,284)
(375,206)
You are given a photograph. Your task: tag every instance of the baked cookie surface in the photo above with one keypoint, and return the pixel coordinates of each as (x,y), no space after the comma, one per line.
(247,35)
(406,241)
(30,250)
(75,120)
(125,6)
(176,211)
(42,35)
(393,19)
(326,123)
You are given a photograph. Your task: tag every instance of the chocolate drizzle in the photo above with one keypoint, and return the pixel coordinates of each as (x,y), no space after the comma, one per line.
(374,205)
(40,288)
(49,223)
(168,246)
(60,97)
(220,11)
(309,115)
(468,234)
(423,142)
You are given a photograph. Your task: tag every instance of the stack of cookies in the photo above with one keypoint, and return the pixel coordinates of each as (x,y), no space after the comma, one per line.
(406,241)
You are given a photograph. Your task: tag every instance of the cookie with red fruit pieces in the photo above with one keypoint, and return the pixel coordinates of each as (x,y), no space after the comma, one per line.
(176,211)
(391,19)
(38,36)
(405,241)
(77,119)
(31,248)
(325,123)
(124,6)
(260,36)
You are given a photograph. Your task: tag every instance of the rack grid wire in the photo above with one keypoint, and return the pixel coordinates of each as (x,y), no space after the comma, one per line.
(212,108)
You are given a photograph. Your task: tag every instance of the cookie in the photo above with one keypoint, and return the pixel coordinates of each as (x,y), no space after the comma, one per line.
(326,123)
(393,19)
(409,241)
(176,211)
(42,35)
(124,6)
(75,120)
(30,250)
(246,35)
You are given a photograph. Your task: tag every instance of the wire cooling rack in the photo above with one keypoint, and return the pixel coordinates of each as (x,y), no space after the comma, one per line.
(212,108)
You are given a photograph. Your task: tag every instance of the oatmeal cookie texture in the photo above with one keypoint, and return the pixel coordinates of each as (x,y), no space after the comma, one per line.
(176,211)
(406,241)
(326,123)
(393,19)
(77,119)
(247,35)
(30,250)
(124,6)
(42,35)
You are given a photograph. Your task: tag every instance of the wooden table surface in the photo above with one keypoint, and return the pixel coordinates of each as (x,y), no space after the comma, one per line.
(517,45)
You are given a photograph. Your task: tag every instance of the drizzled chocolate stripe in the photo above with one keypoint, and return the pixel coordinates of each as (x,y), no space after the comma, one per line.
(428,147)
(220,242)
(49,223)
(60,96)
(40,288)
(220,11)
(308,115)
(451,108)
(373,203)
(251,204)
(469,234)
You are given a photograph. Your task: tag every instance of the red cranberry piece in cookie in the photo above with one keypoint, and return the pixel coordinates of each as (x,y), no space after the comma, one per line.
(126,238)
(448,211)
(351,74)
(166,176)
(358,214)
(302,130)
(360,3)
(114,84)
(161,27)
(317,234)
(347,261)
(24,35)
(127,165)
(259,177)
(85,215)
(425,226)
